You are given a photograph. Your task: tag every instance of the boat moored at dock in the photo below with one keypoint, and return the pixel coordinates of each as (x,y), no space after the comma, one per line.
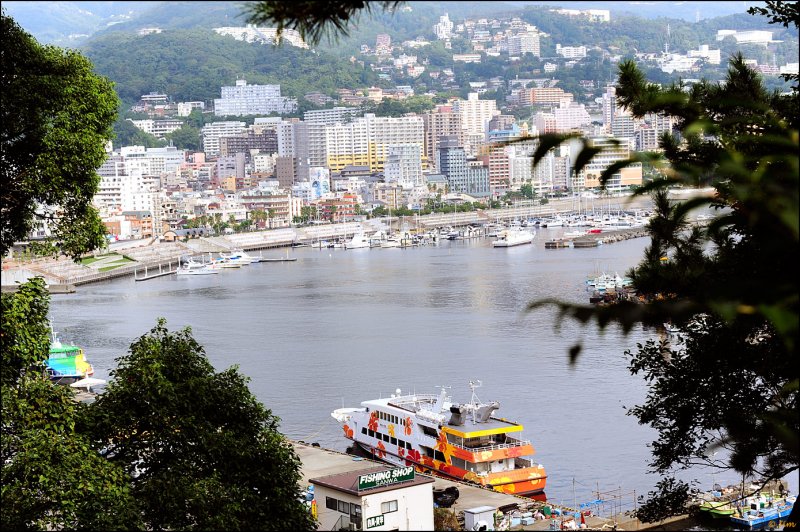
(513,236)
(762,510)
(462,441)
(67,363)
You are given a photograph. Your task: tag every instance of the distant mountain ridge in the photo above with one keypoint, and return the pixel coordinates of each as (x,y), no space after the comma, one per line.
(71,24)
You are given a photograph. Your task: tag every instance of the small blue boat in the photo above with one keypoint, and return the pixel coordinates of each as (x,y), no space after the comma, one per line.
(764,511)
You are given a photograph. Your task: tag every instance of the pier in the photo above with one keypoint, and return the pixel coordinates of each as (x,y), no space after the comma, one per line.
(592,240)
(146,273)
(320,462)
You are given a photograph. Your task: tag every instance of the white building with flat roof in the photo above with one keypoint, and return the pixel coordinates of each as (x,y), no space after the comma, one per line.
(761,37)
(571,52)
(243,99)
(712,56)
(378,498)
(158,128)
(524,43)
(404,166)
(475,113)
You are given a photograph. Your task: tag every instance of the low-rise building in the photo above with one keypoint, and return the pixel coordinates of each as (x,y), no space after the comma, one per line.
(378,498)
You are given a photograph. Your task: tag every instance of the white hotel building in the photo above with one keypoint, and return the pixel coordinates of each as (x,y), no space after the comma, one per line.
(243,99)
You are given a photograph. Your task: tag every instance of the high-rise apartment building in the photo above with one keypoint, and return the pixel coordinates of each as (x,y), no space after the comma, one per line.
(461,176)
(612,150)
(404,166)
(441,122)
(366,140)
(524,43)
(212,132)
(243,99)
(444,28)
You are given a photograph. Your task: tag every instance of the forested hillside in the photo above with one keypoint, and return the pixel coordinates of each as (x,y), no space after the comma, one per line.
(193,64)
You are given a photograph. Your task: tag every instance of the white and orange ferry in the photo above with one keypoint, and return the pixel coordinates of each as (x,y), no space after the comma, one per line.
(463,441)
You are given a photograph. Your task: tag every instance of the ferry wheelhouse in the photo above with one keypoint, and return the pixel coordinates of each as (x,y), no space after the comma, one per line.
(67,363)
(463,441)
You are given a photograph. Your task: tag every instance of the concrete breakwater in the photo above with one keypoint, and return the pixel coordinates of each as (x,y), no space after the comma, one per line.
(591,240)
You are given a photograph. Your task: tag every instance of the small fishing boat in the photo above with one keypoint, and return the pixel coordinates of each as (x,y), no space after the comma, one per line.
(763,510)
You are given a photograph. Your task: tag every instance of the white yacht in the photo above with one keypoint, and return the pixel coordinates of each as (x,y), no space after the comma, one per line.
(513,236)
(196,268)
(358,241)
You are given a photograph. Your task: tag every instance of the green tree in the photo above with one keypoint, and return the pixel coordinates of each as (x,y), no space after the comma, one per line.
(127,134)
(51,145)
(185,138)
(203,453)
(733,384)
(51,477)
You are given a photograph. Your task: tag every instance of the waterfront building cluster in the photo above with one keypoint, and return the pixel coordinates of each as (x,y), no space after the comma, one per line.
(259,168)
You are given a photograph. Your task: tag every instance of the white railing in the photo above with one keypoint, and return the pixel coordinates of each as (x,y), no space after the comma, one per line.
(492,447)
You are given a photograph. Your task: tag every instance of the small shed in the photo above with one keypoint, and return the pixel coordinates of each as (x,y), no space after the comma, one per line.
(479,518)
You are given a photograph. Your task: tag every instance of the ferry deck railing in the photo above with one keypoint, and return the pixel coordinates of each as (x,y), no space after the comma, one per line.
(491,447)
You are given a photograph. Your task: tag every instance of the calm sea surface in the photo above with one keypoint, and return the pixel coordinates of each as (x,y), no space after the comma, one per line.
(338,327)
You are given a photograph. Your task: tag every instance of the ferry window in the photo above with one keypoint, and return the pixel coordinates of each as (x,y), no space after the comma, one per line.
(393,441)
(363,430)
(388,506)
(371,433)
(408,446)
(429,431)
(330,503)
(438,455)
(386,438)
(344,507)
(428,451)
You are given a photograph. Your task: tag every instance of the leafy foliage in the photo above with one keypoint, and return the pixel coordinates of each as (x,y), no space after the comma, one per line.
(127,134)
(192,65)
(203,452)
(733,383)
(24,340)
(56,118)
(51,477)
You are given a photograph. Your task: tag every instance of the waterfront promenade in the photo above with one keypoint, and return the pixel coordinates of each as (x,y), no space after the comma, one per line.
(63,275)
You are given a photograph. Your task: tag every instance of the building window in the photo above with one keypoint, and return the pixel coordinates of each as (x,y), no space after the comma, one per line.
(388,507)
(344,507)
(330,503)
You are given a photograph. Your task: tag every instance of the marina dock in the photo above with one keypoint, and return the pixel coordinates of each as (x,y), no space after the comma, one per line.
(318,462)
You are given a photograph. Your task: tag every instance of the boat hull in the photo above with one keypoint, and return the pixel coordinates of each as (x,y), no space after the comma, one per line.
(514,482)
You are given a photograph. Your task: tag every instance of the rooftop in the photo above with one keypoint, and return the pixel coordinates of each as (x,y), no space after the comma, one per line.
(348,482)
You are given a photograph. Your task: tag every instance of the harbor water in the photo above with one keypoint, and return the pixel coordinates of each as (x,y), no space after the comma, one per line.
(337,327)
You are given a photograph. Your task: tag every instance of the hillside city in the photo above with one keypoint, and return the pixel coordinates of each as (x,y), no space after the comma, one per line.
(259,168)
